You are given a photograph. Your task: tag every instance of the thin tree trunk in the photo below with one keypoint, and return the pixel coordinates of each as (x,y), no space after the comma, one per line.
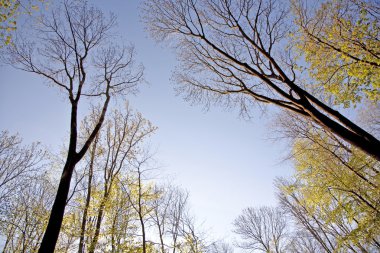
(143,232)
(140,214)
(161,237)
(113,234)
(10,235)
(88,197)
(99,219)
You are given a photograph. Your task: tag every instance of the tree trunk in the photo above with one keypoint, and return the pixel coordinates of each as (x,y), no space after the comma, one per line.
(84,218)
(143,232)
(99,219)
(88,198)
(359,138)
(55,221)
(161,236)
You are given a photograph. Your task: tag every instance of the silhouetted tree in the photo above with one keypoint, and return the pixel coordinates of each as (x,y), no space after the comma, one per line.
(72,49)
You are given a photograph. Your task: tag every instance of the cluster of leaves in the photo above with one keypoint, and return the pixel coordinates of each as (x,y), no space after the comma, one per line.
(8,10)
(338,187)
(340,41)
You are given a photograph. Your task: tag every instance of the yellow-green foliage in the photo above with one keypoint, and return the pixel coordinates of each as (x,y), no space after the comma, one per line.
(338,186)
(341,43)
(8,9)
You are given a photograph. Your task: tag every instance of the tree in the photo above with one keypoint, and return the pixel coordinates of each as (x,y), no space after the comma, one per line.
(262,229)
(234,52)
(24,222)
(333,195)
(193,239)
(326,230)
(339,39)
(17,164)
(168,215)
(73,51)
(335,186)
(121,141)
(220,247)
(141,194)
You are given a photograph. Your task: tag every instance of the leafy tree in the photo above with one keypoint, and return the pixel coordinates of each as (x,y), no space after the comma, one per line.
(23,224)
(73,51)
(327,231)
(335,191)
(121,140)
(339,40)
(234,53)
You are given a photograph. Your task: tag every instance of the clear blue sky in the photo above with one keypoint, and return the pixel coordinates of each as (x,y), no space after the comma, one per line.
(225,163)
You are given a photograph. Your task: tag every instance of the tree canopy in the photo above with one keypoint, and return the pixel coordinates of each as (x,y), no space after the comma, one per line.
(340,42)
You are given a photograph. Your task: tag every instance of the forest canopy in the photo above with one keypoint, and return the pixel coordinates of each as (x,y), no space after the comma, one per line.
(312,67)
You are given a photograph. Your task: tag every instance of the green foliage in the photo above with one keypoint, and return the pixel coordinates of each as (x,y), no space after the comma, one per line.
(8,13)
(339,186)
(26,220)
(340,41)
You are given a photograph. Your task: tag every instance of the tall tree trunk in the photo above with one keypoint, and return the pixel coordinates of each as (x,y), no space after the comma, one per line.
(99,219)
(160,232)
(88,197)
(143,232)
(353,135)
(84,218)
(56,217)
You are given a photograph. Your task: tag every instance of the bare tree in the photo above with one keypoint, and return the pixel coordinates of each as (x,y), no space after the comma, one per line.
(220,247)
(262,229)
(73,51)
(234,52)
(17,163)
(168,214)
(192,238)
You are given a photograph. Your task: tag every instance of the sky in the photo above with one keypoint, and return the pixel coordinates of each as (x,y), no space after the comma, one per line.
(226,163)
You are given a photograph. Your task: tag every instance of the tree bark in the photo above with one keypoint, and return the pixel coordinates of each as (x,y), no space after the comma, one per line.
(143,232)
(99,219)
(56,217)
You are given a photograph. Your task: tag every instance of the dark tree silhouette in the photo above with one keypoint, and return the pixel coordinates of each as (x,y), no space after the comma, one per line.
(235,52)
(72,49)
